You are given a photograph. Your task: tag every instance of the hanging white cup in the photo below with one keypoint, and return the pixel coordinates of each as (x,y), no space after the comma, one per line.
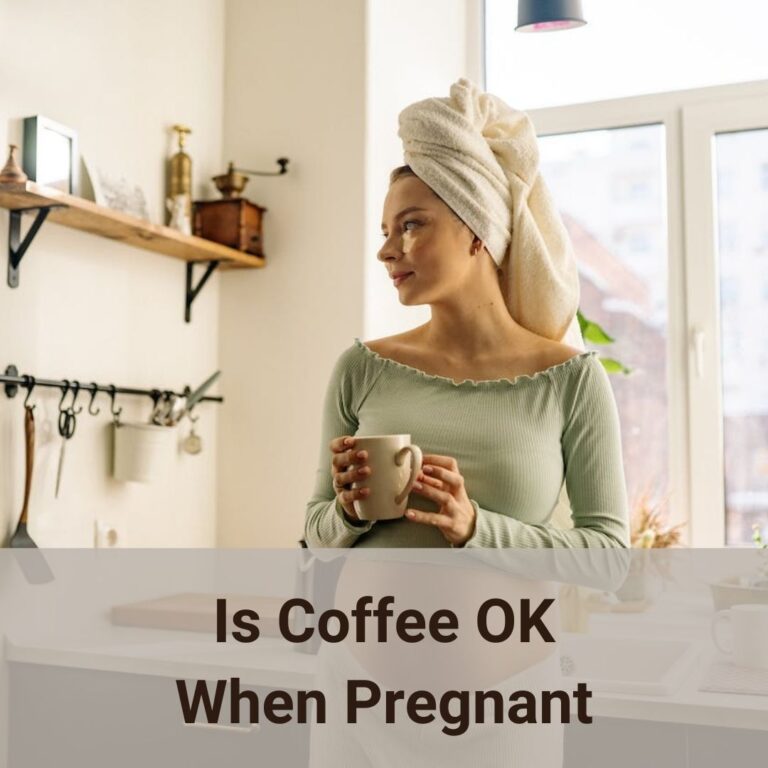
(142,452)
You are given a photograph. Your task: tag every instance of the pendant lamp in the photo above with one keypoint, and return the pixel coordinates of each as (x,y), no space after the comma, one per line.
(548,15)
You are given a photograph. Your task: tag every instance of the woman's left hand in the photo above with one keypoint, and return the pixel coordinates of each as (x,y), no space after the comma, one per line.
(441,482)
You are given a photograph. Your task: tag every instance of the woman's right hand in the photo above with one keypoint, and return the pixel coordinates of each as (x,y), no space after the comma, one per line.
(344,456)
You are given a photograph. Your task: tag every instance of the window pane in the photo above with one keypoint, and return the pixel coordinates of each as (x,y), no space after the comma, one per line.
(610,188)
(626,48)
(742,241)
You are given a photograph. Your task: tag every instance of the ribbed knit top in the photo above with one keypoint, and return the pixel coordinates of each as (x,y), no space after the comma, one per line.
(515,441)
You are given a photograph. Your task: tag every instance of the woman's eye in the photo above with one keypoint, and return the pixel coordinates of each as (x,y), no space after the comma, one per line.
(405,227)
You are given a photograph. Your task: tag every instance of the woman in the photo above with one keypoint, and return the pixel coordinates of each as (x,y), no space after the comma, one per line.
(502,408)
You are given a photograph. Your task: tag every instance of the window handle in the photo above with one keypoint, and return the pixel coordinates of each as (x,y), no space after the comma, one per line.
(698,351)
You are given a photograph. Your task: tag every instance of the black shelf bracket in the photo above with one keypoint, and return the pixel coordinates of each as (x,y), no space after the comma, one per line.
(18,247)
(191,291)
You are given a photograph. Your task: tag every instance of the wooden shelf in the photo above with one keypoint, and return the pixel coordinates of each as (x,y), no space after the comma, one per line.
(84,215)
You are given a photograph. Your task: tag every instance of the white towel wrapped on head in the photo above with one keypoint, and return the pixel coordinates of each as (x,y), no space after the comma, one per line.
(481,157)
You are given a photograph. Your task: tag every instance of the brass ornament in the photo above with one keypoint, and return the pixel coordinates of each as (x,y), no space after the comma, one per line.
(12,172)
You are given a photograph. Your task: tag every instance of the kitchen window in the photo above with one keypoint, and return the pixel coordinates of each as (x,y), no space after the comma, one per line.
(681,173)
(606,226)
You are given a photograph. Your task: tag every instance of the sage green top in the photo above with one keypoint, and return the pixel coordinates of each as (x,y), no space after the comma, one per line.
(515,441)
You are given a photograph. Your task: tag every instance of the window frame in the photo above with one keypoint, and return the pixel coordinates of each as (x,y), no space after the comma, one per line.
(695,428)
(701,122)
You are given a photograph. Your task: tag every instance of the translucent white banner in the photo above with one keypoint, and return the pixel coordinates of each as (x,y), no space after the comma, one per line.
(383,658)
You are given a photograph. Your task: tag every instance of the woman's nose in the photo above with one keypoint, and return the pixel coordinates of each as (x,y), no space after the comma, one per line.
(390,249)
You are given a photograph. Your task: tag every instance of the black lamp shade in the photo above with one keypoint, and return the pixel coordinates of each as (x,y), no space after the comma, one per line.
(548,15)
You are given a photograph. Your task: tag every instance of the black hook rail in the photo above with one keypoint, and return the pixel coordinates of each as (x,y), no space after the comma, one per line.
(12,380)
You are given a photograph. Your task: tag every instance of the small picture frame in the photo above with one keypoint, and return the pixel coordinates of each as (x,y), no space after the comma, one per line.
(50,156)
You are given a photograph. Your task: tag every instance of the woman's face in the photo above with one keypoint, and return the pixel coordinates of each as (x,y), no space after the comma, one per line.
(423,237)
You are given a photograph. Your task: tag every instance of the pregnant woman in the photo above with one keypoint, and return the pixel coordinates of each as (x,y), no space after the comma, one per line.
(505,411)
(508,409)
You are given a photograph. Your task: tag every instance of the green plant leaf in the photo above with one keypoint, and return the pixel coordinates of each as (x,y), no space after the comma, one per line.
(596,334)
(593,332)
(614,366)
(582,321)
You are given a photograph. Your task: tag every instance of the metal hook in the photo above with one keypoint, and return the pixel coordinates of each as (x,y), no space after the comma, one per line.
(112,393)
(93,397)
(65,390)
(75,393)
(29,383)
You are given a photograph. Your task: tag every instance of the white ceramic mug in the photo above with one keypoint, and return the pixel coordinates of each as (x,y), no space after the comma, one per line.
(749,629)
(395,465)
(142,451)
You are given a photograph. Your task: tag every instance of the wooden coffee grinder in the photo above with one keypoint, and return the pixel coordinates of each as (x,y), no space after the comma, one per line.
(234,220)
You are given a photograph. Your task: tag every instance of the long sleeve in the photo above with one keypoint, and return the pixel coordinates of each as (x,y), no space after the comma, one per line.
(325,523)
(594,476)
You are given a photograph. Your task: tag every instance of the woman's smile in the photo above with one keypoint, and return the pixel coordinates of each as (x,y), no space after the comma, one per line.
(401,278)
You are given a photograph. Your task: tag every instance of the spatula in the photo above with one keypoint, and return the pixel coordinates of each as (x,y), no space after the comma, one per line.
(21,538)
(33,564)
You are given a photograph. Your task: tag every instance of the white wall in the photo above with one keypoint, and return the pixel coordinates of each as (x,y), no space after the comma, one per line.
(323,86)
(295,87)
(320,83)
(87,308)
(405,64)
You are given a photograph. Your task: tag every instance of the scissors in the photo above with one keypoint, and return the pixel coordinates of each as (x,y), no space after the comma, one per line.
(67,423)
(67,426)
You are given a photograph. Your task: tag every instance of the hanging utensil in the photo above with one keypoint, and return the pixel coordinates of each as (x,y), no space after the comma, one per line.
(21,538)
(165,403)
(192,443)
(170,409)
(32,563)
(197,395)
(67,425)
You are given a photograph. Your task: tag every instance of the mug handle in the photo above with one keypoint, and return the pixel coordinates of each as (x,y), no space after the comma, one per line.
(717,620)
(416,457)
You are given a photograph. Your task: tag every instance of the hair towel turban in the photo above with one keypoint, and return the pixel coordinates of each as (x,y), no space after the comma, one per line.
(481,157)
